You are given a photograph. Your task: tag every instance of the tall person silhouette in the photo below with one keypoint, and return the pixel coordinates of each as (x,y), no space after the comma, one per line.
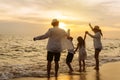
(55,36)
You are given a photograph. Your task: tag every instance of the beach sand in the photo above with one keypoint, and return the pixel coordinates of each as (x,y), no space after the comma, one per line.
(108,71)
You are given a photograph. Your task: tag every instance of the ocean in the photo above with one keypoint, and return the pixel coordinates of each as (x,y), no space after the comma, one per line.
(20,56)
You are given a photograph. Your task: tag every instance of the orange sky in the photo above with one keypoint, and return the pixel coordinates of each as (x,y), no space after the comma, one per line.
(26,15)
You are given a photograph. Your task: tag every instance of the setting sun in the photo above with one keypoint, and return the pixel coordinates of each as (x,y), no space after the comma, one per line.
(63,26)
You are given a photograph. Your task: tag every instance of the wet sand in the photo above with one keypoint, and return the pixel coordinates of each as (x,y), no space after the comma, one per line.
(108,71)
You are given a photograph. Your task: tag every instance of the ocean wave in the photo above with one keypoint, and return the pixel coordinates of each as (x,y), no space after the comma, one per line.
(21,57)
(38,70)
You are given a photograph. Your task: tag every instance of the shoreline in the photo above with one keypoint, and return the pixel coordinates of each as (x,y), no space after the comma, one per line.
(108,71)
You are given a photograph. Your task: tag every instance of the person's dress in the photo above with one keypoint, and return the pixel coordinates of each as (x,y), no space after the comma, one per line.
(82,53)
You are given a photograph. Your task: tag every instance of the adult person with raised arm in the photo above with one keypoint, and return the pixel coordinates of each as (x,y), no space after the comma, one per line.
(97,43)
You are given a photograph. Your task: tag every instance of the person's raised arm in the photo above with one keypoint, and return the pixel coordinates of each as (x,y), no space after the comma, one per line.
(91,26)
(85,36)
(68,32)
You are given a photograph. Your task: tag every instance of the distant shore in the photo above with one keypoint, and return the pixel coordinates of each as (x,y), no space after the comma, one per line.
(109,71)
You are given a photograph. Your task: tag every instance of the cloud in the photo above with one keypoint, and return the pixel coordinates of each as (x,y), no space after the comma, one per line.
(77,11)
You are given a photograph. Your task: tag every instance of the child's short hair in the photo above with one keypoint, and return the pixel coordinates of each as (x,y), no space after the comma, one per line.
(70,38)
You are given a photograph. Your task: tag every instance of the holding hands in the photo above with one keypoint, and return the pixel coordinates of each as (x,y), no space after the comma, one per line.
(86,32)
(75,51)
(34,39)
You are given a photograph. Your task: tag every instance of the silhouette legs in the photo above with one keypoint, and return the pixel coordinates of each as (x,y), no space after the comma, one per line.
(82,65)
(56,68)
(97,59)
(48,68)
(70,67)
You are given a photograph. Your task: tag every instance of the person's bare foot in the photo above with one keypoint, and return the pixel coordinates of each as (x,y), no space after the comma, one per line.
(70,71)
(84,70)
(48,76)
(96,68)
(80,70)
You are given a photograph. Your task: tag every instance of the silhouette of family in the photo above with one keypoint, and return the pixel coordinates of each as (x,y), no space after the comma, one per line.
(59,40)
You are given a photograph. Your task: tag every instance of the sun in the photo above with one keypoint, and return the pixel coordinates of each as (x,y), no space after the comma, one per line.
(63,26)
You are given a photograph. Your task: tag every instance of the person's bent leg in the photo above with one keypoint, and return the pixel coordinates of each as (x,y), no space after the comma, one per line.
(69,60)
(70,67)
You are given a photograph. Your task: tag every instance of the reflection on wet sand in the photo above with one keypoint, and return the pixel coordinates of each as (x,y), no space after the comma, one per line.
(83,77)
(107,72)
(98,75)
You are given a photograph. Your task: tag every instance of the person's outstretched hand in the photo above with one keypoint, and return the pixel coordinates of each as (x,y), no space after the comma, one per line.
(34,39)
(86,32)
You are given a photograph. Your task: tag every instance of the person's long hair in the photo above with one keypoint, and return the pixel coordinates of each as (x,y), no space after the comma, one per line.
(101,32)
(98,30)
(81,42)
